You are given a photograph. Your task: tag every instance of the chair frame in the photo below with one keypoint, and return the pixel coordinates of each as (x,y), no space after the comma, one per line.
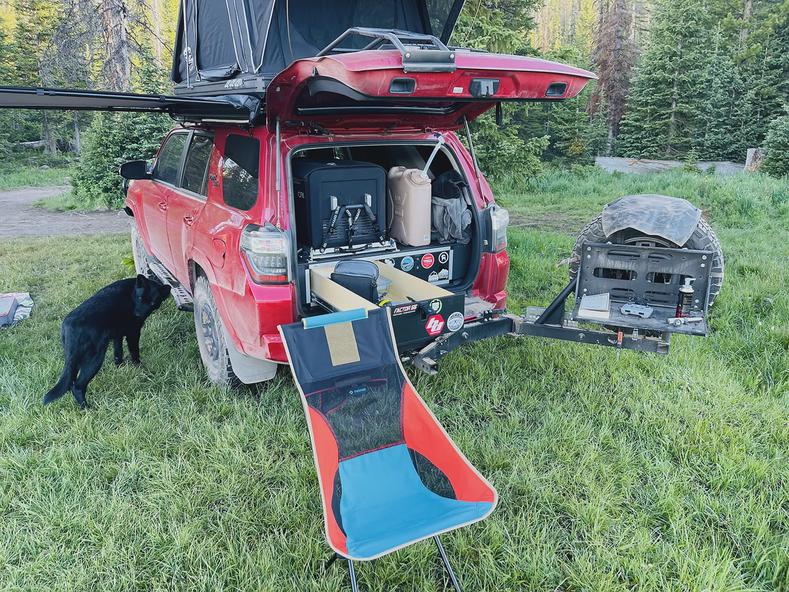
(441,551)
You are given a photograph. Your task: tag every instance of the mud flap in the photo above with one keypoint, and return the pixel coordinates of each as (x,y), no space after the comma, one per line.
(389,474)
(247,369)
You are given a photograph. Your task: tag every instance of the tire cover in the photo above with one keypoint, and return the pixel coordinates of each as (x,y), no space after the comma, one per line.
(671,218)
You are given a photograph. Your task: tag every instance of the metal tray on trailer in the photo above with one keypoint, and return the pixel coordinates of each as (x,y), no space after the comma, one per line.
(646,275)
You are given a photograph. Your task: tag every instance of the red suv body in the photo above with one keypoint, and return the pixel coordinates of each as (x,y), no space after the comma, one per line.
(220,194)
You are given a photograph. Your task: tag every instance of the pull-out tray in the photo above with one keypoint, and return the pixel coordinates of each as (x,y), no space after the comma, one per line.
(421,311)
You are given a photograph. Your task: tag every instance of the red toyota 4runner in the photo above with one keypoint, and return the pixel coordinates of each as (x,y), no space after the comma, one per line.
(216,214)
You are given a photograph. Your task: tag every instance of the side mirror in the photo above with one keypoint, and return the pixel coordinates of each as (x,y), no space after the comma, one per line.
(135,169)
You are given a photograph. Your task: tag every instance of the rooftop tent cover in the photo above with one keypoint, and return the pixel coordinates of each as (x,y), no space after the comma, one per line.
(220,40)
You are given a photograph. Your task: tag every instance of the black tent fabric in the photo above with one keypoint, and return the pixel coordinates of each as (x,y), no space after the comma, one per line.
(227,42)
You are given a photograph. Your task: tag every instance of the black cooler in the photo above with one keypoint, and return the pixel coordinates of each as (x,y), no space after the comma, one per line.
(339,203)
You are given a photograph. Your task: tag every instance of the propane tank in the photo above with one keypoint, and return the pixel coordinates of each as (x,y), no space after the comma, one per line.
(685,300)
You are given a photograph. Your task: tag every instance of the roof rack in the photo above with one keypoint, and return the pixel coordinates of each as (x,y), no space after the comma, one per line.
(421,52)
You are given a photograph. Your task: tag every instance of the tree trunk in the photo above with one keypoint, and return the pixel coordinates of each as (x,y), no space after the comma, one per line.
(50,142)
(117,67)
(746,19)
(77,134)
(156,17)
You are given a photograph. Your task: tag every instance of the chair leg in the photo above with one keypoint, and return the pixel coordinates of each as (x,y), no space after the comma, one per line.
(352,573)
(330,562)
(445,561)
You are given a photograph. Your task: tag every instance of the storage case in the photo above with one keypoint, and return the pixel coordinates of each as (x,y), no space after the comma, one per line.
(360,277)
(339,202)
(409,206)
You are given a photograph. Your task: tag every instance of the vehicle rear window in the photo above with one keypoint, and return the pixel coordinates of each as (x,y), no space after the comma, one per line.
(240,171)
(194,179)
(168,165)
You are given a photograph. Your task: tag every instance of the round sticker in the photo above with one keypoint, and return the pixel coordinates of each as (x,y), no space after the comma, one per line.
(427,260)
(455,321)
(443,257)
(435,306)
(389,262)
(434,325)
(407,264)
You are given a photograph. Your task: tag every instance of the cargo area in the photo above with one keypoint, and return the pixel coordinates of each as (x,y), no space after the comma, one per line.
(406,207)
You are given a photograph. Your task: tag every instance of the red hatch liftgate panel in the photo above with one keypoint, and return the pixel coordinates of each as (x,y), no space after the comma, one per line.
(373,88)
(389,474)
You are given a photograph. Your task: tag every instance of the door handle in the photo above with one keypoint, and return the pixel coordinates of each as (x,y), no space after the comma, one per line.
(163,206)
(189,220)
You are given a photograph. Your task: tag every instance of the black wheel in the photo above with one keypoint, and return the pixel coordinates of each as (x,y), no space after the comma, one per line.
(211,337)
(703,239)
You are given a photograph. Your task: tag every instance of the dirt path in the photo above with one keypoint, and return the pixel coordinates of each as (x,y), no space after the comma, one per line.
(18,216)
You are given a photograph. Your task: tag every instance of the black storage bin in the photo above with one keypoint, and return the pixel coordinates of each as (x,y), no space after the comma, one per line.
(339,202)
(360,277)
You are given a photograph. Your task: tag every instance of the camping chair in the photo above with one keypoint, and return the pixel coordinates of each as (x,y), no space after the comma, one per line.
(389,474)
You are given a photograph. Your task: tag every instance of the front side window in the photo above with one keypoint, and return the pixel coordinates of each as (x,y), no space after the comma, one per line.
(196,166)
(240,171)
(168,164)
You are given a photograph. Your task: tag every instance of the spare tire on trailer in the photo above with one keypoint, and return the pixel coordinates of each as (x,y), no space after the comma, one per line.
(654,221)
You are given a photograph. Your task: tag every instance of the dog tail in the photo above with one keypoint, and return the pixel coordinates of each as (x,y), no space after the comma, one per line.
(64,384)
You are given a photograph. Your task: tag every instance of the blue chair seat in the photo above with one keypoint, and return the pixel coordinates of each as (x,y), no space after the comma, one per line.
(385,505)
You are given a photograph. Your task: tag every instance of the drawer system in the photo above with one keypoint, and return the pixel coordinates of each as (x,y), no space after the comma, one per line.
(421,311)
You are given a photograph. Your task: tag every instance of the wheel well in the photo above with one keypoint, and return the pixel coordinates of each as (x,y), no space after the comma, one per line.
(195,271)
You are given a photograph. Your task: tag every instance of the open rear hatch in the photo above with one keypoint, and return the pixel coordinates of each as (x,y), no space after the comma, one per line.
(413,85)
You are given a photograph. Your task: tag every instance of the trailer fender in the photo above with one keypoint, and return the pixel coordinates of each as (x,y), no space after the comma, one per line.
(671,218)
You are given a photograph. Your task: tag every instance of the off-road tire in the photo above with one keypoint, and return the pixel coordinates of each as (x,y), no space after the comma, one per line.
(139,254)
(211,337)
(702,239)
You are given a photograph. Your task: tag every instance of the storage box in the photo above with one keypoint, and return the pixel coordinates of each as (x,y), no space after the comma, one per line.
(339,203)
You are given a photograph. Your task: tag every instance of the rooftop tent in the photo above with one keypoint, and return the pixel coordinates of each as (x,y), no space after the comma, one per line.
(240,44)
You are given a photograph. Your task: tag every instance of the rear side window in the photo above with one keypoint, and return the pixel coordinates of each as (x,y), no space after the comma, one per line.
(240,171)
(168,165)
(196,165)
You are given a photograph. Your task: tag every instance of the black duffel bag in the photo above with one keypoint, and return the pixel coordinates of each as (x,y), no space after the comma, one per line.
(360,277)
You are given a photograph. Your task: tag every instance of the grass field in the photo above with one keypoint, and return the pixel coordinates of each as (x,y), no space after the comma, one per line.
(639,473)
(33,169)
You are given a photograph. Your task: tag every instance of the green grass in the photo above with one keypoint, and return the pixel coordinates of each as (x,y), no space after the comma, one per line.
(33,177)
(634,473)
(65,202)
(31,168)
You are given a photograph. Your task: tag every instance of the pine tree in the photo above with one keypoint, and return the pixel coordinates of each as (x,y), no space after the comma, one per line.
(661,114)
(776,144)
(721,135)
(765,69)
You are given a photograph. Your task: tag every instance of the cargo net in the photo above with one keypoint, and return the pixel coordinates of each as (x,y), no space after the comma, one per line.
(363,413)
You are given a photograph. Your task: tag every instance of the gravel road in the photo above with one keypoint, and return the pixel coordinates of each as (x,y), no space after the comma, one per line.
(18,216)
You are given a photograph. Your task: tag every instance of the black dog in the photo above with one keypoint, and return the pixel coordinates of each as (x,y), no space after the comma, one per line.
(114,312)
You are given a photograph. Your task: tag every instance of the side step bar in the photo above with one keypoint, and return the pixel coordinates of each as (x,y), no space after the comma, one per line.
(182,296)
